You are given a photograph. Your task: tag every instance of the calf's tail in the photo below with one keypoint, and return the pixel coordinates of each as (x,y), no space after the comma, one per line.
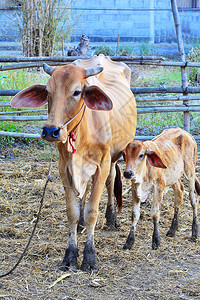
(118,187)
(197,186)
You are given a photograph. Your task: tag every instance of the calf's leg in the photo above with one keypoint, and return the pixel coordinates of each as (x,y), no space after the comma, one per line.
(155,212)
(178,199)
(135,217)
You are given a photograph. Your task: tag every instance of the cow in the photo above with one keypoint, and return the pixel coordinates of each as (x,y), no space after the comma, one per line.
(91,118)
(156,165)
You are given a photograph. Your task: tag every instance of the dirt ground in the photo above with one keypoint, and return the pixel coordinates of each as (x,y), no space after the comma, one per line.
(171,272)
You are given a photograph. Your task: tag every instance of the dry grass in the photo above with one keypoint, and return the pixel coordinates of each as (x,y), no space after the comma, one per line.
(172,272)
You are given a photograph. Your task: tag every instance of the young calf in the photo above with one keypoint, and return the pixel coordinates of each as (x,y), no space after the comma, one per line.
(155,165)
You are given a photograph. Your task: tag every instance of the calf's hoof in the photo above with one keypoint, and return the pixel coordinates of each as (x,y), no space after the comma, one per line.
(155,241)
(173,227)
(130,240)
(89,258)
(171,233)
(111,217)
(70,259)
(195,234)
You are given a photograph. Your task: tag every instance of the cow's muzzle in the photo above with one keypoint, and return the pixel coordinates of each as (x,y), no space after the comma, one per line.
(128,174)
(51,134)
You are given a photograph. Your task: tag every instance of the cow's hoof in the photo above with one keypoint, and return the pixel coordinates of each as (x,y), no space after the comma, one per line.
(155,241)
(111,218)
(70,259)
(130,240)
(89,259)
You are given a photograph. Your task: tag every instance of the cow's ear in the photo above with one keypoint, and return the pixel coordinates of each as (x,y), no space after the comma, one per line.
(96,99)
(154,159)
(33,96)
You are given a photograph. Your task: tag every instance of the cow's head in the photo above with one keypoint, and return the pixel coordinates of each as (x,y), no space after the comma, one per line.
(66,92)
(136,155)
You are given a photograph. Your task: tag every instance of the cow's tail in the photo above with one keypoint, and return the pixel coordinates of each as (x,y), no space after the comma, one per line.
(118,188)
(197,185)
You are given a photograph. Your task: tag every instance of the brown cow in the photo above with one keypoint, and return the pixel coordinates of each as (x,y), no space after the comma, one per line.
(156,165)
(92,117)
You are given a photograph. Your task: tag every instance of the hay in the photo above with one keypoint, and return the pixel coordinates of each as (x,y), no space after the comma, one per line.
(172,272)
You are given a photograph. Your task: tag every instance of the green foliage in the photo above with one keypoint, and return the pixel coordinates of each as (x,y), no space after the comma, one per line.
(104,49)
(126,50)
(145,49)
(17,79)
(160,76)
(193,56)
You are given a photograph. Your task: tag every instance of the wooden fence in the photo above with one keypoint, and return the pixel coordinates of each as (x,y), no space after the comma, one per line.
(36,62)
(186,107)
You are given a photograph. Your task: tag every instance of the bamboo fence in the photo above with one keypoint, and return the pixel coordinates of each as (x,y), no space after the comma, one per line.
(185,90)
(185,107)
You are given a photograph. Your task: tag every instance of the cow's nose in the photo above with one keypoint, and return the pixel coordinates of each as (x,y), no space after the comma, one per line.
(50,132)
(128,174)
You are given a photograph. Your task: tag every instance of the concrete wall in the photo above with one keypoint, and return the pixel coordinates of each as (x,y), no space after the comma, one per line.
(132,20)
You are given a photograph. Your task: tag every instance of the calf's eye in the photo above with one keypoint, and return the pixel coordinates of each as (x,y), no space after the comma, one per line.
(141,155)
(76,93)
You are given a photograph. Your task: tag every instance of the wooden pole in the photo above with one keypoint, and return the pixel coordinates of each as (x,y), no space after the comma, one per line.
(164,89)
(165,98)
(63,49)
(117,44)
(24,118)
(20,135)
(136,90)
(182,57)
(72,58)
(127,60)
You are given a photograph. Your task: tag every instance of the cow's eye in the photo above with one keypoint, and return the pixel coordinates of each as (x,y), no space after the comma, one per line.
(76,93)
(141,155)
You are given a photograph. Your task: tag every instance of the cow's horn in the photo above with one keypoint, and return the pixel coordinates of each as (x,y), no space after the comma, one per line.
(95,71)
(48,69)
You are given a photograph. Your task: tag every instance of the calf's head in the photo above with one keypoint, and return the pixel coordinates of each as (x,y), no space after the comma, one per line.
(136,155)
(66,92)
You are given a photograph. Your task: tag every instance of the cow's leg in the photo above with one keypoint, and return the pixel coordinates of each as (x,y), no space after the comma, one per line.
(178,199)
(111,217)
(73,213)
(155,212)
(91,213)
(135,218)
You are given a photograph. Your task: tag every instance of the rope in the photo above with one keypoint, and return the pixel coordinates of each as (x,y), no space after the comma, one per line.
(38,216)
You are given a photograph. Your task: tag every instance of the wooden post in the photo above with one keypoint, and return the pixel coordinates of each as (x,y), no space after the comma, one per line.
(182,57)
(117,44)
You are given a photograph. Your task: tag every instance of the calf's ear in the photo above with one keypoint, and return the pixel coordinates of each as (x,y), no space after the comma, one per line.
(154,159)
(33,96)
(96,99)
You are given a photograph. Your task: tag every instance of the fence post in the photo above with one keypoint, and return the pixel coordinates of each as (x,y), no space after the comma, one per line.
(182,57)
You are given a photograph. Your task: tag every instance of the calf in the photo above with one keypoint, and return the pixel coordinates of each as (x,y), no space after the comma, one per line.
(156,165)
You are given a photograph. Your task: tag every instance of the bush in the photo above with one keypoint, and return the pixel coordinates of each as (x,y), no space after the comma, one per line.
(126,50)
(145,49)
(193,73)
(106,50)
